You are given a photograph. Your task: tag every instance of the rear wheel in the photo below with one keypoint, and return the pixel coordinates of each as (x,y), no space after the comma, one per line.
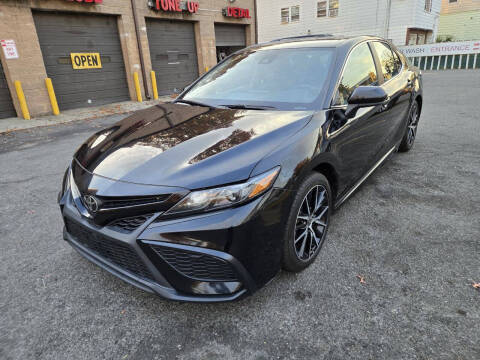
(411,131)
(307,224)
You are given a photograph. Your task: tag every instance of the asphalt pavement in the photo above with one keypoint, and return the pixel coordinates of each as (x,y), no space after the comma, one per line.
(411,233)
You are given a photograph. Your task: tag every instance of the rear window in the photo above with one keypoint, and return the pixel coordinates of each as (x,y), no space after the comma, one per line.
(389,61)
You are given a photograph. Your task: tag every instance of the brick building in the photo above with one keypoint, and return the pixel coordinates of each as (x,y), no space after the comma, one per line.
(402,21)
(92,48)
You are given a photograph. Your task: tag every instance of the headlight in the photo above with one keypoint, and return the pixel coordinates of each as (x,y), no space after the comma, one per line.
(73,186)
(212,199)
(65,184)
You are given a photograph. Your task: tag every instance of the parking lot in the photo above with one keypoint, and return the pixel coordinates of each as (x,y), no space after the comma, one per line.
(412,232)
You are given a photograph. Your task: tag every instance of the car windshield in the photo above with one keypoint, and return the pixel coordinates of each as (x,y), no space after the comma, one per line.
(286,79)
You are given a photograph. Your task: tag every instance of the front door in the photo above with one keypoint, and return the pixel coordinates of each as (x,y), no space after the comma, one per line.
(355,141)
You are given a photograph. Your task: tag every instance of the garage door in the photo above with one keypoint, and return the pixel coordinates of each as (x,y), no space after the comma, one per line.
(63,34)
(230,35)
(173,53)
(6,105)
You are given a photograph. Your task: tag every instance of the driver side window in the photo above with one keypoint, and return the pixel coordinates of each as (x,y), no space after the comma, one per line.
(359,70)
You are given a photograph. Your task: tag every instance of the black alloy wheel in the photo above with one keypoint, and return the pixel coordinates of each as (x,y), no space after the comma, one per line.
(311,223)
(308,223)
(411,131)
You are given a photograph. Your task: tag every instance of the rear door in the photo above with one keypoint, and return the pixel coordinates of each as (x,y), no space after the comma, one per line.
(355,141)
(397,85)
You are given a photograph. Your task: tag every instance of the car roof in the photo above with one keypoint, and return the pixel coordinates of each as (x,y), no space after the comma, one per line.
(318,40)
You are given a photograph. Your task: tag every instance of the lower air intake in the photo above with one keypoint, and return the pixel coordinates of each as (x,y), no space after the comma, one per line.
(116,252)
(195,265)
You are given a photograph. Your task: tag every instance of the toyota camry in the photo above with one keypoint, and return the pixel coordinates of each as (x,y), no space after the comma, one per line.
(208,197)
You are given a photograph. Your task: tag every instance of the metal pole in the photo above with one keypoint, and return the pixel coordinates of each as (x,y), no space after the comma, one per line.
(51,95)
(140,51)
(387,17)
(256,21)
(22,100)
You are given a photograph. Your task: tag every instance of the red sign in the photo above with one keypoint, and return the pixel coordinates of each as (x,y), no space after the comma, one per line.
(176,5)
(87,1)
(236,12)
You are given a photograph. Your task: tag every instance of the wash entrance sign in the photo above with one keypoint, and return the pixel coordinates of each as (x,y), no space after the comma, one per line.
(442,56)
(450,48)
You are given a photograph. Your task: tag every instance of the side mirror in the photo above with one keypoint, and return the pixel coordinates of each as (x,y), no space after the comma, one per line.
(364,96)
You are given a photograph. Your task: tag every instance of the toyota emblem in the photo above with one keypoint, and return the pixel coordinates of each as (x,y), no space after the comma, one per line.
(91,203)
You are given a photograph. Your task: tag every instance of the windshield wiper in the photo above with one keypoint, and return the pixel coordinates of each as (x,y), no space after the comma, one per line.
(249,107)
(195,103)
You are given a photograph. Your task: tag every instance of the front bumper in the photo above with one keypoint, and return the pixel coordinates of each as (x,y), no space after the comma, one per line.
(219,256)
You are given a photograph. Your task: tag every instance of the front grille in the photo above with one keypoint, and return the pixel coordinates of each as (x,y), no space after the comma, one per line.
(196,265)
(127,225)
(112,202)
(118,253)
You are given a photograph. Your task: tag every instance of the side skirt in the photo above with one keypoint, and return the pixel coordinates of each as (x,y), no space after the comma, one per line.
(363,178)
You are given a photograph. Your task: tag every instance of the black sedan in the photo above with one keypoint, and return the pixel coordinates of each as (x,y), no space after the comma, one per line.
(208,197)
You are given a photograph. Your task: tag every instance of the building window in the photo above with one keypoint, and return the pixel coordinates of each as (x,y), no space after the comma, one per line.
(333,8)
(452,1)
(321,9)
(428,5)
(295,13)
(285,15)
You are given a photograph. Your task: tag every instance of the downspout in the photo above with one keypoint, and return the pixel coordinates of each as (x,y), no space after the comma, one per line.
(256,21)
(140,51)
(387,18)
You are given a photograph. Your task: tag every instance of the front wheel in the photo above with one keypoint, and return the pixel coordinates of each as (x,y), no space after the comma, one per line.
(307,224)
(411,131)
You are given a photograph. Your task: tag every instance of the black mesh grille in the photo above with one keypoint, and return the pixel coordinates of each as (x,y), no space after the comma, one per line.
(127,225)
(119,202)
(113,251)
(196,265)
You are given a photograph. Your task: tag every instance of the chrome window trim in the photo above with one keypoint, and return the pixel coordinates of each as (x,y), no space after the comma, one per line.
(395,53)
(373,57)
(343,70)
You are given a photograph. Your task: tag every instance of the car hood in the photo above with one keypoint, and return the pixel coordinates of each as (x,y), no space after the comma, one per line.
(187,146)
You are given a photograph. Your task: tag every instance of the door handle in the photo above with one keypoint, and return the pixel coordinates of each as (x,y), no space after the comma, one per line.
(385,104)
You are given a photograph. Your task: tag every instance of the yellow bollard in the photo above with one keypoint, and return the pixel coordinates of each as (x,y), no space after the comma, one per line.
(154,85)
(21,99)
(137,86)
(51,95)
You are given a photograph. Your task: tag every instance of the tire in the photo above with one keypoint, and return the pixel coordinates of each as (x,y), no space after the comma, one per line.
(411,131)
(310,189)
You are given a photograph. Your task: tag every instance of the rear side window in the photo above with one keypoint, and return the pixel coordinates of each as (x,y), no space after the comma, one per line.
(359,70)
(389,61)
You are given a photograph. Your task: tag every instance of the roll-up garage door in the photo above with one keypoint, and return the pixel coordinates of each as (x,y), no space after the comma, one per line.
(173,53)
(93,40)
(6,105)
(230,35)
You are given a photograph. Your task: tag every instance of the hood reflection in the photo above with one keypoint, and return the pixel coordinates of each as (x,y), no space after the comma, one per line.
(163,143)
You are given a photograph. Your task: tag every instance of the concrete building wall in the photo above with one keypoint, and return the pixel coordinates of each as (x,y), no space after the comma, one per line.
(354,18)
(16,23)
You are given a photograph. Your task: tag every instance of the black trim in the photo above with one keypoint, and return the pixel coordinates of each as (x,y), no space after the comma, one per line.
(162,291)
